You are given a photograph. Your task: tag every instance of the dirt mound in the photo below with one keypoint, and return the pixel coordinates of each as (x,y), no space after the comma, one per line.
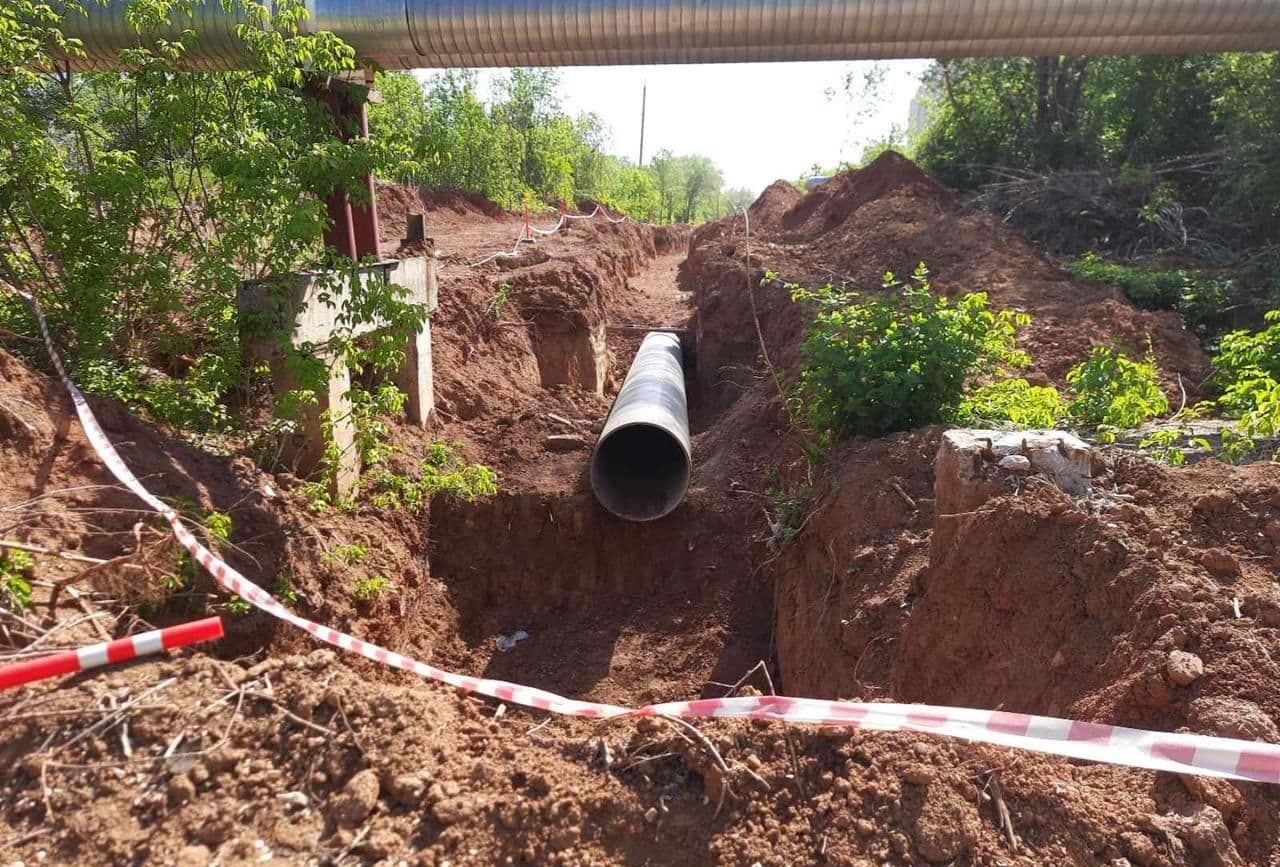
(397,201)
(889,217)
(770,206)
(833,202)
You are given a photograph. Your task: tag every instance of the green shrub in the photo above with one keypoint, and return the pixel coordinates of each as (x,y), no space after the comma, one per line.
(367,589)
(897,361)
(15,586)
(1115,391)
(1165,446)
(347,555)
(1013,400)
(1247,365)
(216,528)
(1198,297)
(444,471)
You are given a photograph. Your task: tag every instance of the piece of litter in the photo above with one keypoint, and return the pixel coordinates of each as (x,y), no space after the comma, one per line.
(294,799)
(1235,604)
(506,642)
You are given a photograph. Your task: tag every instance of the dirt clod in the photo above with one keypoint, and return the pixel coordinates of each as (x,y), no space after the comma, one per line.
(406,789)
(180,790)
(1220,563)
(1183,668)
(1232,718)
(451,811)
(359,797)
(946,827)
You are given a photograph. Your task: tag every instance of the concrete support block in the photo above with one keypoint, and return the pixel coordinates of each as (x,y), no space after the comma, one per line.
(968,468)
(306,450)
(974,466)
(307,306)
(414,377)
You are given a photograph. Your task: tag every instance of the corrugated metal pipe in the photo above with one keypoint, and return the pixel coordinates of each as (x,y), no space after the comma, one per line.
(413,34)
(641,464)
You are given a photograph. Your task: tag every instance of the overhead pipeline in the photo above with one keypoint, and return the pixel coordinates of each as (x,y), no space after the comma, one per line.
(412,34)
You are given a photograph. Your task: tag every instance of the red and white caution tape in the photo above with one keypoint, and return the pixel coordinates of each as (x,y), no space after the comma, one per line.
(110,652)
(1160,751)
(528,232)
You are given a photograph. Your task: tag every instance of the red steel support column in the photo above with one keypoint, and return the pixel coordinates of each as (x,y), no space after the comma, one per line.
(353,228)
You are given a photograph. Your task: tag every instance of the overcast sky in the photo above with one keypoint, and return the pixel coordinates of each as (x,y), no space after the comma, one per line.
(757,121)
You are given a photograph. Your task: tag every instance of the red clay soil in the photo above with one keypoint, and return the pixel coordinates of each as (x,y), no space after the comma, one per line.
(263,749)
(889,217)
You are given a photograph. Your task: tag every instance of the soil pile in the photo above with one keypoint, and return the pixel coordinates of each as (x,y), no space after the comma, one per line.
(396,202)
(889,217)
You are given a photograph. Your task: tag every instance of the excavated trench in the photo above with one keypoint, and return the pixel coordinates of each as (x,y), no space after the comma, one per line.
(614,609)
(1038,603)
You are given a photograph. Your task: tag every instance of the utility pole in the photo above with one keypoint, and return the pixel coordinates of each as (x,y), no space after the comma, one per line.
(644,97)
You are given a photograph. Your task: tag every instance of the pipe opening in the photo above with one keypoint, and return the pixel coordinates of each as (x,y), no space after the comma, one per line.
(640,472)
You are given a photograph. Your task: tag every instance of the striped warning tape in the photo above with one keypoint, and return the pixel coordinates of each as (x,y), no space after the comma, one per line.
(110,652)
(1176,752)
(528,231)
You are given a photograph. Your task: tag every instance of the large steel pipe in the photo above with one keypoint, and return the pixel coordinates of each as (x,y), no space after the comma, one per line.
(641,464)
(406,34)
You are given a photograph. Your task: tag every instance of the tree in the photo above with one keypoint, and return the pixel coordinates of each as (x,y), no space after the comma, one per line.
(668,180)
(133,206)
(701,183)
(1137,119)
(737,199)
(525,148)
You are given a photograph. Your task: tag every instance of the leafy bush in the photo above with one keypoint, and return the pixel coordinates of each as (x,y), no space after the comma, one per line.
(348,555)
(1198,297)
(1248,363)
(1013,400)
(216,528)
(1115,391)
(135,205)
(444,471)
(367,589)
(1165,446)
(15,586)
(897,361)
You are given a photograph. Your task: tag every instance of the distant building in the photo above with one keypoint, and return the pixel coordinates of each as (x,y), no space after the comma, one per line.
(918,115)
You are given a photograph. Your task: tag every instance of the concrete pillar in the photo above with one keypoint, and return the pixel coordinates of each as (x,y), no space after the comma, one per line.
(295,304)
(414,377)
(308,448)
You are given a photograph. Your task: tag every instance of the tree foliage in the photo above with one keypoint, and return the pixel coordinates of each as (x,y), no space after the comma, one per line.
(1124,116)
(1115,391)
(524,147)
(135,204)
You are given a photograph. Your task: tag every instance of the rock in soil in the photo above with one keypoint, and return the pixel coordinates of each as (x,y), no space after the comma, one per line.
(947,826)
(357,800)
(1183,668)
(565,442)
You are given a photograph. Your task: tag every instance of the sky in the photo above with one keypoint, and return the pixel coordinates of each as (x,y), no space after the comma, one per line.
(757,121)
